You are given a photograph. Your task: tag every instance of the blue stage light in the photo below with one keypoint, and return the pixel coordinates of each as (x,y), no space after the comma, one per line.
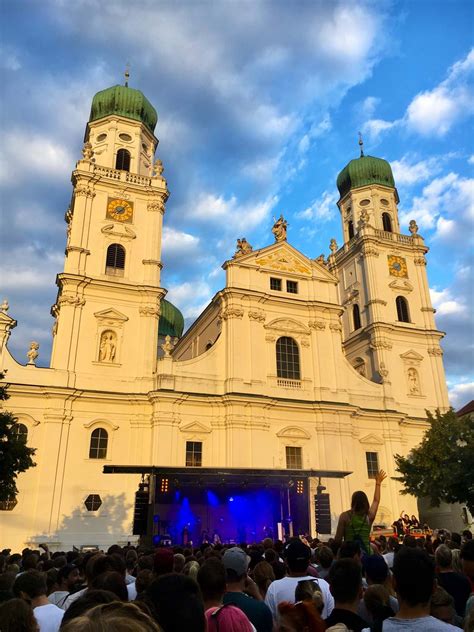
(231,499)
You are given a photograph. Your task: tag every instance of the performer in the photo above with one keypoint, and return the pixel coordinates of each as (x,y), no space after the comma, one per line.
(185,536)
(216,538)
(204,537)
(415,523)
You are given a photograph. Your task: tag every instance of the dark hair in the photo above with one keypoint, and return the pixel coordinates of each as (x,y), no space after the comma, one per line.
(211,578)
(349,549)
(414,574)
(467,551)
(16,615)
(166,596)
(467,535)
(30,562)
(88,600)
(324,556)
(113,582)
(345,580)
(360,503)
(144,579)
(33,583)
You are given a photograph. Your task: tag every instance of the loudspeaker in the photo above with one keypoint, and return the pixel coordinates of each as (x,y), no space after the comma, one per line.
(322,512)
(140,514)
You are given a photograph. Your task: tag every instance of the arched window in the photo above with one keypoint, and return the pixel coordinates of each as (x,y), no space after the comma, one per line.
(123,160)
(115,262)
(98,444)
(350,228)
(403,315)
(20,432)
(288,359)
(356,317)
(387,222)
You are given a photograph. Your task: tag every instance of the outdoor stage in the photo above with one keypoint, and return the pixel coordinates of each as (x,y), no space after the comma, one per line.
(196,504)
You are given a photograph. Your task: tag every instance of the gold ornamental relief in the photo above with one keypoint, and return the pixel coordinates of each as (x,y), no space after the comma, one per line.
(284,263)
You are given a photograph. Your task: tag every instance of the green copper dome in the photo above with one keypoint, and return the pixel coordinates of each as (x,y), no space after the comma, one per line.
(171,320)
(363,171)
(126,102)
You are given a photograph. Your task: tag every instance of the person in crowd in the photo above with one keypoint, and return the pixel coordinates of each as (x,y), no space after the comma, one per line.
(113,617)
(415,523)
(7,580)
(263,576)
(345,582)
(67,578)
(179,562)
(442,607)
(243,592)
(376,573)
(89,600)
(355,524)
(113,582)
(414,582)
(297,556)
(144,579)
(176,603)
(16,615)
(377,606)
(308,590)
(456,584)
(191,569)
(299,616)
(212,582)
(392,547)
(89,574)
(324,559)
(131,560)
(466,535)
(163,561)
(31,586)
(467,561)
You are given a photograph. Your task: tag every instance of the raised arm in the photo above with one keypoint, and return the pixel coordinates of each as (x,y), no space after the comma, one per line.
(381,476)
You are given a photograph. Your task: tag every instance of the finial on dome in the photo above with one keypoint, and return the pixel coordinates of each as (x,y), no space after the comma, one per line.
(361,145)
(127,74)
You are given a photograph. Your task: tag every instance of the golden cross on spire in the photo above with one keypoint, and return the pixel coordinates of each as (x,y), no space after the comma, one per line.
(361,145)
(127,74)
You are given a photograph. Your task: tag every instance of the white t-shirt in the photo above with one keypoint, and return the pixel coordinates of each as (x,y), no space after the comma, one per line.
(72,598)
(132,591)
(49,617)
(388,557)
(422,624)
(58,598)
(284,590)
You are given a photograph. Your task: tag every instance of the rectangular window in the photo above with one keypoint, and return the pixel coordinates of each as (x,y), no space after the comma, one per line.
(275,284)
(193,453)
(292,287)
(372,459)
(294,458)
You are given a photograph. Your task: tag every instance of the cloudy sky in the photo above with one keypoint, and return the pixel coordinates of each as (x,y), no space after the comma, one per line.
(259,105)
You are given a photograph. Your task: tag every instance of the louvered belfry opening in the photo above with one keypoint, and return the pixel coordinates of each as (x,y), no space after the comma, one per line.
(115,262)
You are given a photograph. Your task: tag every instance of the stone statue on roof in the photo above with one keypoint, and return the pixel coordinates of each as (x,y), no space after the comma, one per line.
(279,229)
(243,248)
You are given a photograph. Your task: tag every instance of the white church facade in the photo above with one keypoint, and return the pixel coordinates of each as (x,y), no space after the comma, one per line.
(324,365)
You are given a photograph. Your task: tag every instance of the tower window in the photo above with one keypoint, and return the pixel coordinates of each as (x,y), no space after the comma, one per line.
(193,453)
(123,160)
(372,459)
(387,222)
(115,262)
(292,287)
(288,359)
(275,284)
(98,444)
(294,458)
(350,229)
(356,317)
(403,315)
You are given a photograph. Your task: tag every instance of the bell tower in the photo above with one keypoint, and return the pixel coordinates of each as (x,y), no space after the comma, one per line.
(390,334)
(108,304)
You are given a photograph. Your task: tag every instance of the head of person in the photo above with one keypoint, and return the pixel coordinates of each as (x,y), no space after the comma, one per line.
(6,586)
(176,603)
(131,559)
(308,590)
(297,556)
(163,561)
(30,585)
(350,550)
(179,562)
(68,577)
(300,617)
(360,503)
(211,578)
(377,602)
(442,605)
(112,617)
(143,580)
(324,557)
(227,618)
(263,575)
(455,542)
(17,616)
(466,535)
(87,601)
(345,581)
(467,558)
(236,563)
(30,562)
(443,557)
(267,543)
(413,576)
(191,569)
(392,543)
(375,569)
(113,582)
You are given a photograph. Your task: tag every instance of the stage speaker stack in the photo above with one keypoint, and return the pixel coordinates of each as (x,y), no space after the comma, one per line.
(322,511)
(140,514)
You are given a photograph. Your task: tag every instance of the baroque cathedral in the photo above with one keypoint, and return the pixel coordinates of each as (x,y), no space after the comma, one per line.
(324,366)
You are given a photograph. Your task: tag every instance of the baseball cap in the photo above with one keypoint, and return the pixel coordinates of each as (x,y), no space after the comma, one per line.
(296,551)
(235,559)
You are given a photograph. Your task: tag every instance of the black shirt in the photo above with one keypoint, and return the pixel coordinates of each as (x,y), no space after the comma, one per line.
(352,620)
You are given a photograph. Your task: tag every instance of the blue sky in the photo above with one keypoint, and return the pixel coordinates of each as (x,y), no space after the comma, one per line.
(259,105)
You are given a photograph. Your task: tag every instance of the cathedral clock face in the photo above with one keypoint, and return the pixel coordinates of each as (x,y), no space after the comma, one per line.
(397,266)
(120,210)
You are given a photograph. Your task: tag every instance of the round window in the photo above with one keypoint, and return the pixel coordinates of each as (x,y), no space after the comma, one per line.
(384,202)
(125,137)
(364,202)
(101,137)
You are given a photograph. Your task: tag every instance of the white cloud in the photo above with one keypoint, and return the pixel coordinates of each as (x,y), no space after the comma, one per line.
(471,160)
(375,127)
(368,106)
(323,208)
(229,213)
(176,242)
(409,172)
(461,394)
(191,297)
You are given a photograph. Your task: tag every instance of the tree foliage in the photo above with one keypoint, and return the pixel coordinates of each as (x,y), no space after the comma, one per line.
(442,466)
(15,455)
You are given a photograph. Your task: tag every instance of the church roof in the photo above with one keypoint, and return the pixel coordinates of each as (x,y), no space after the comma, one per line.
(363,171)
(171,320)
(126,102)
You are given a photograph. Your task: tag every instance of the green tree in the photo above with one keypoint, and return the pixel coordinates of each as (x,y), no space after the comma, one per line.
(442,466)
(15,455)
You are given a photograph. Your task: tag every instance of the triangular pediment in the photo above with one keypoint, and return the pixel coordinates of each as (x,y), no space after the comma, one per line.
(283,257)
(195,427)
(111,314)
(401,286)
(293,432)
(411,355)
(371,439)
(5,319)
(288,325)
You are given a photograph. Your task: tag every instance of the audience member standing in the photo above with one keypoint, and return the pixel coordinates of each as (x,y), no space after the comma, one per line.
(456,584)
(31,586)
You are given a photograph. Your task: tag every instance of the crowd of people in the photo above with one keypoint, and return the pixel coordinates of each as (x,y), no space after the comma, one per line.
(348,583)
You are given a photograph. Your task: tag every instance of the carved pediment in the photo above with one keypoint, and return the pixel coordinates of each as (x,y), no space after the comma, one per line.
(284,261)
(111,316)
(101,422)
(400,285)
(119,230)
(293,432)
(288,325)
(411,355)
(195,427)
(371,439)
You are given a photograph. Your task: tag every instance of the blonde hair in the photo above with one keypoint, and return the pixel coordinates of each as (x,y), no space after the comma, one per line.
(113,617)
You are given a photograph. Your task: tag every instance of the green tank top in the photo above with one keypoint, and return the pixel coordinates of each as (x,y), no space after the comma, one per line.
(358,530)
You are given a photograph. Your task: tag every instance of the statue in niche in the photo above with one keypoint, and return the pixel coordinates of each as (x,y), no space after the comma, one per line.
(413,382)
(279,228)
(32,353)
(243,248)
(413,227)
(108,346)
(383,372)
